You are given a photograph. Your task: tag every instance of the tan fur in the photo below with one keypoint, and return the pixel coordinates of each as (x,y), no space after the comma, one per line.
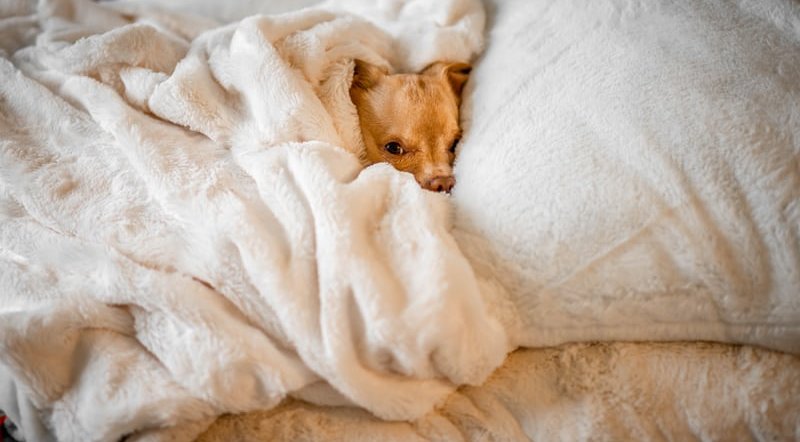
(418,111)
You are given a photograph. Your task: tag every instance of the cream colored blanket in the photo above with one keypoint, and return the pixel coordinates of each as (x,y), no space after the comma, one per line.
(576,392)
(186,230)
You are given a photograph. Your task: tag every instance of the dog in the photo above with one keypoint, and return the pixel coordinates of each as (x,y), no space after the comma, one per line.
(411,121)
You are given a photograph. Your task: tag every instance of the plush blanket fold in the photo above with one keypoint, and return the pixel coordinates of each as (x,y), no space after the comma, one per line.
(186,234)
(605,391)
(186,228)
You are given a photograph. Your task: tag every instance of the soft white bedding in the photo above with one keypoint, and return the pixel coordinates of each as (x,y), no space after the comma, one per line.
(186,230)
(631,170)
(181,211)
(599,392)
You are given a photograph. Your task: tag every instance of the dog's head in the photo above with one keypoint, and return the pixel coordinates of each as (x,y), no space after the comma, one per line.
(411,120)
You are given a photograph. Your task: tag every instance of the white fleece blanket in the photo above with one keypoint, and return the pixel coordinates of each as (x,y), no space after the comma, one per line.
(187,231)
(184,232)
(631,171)
(577,392)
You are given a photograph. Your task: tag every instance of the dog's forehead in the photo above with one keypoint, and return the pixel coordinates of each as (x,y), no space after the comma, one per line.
(424,87)
(429,104)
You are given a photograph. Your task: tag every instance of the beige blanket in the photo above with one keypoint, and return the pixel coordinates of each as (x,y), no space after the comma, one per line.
(186,229)
(614,392)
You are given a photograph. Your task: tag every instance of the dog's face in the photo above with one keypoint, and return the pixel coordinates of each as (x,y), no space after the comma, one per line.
(411,120)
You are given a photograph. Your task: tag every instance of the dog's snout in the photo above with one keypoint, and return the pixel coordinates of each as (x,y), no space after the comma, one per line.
(440,183)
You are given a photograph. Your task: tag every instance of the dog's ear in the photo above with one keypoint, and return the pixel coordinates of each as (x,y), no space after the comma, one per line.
(365,75)
(456,73)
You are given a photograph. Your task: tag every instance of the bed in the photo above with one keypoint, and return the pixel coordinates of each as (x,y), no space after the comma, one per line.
(191,249)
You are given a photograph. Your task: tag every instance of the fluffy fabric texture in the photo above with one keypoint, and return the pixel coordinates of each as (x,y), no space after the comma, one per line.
(187,232)
(619,391)
(631,170)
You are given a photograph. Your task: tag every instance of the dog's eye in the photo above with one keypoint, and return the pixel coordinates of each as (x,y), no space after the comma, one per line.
(394,148)
(453,146)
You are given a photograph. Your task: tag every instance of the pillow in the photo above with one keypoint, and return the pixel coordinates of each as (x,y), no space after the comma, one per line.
(633,173)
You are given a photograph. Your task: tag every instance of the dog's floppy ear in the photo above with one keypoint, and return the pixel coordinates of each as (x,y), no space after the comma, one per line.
(456,73)
(365,74)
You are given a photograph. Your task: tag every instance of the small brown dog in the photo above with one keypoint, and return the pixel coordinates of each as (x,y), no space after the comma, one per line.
(411,120)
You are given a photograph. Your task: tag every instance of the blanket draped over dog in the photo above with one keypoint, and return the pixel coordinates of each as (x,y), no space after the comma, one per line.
(186,229)
(184,232)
